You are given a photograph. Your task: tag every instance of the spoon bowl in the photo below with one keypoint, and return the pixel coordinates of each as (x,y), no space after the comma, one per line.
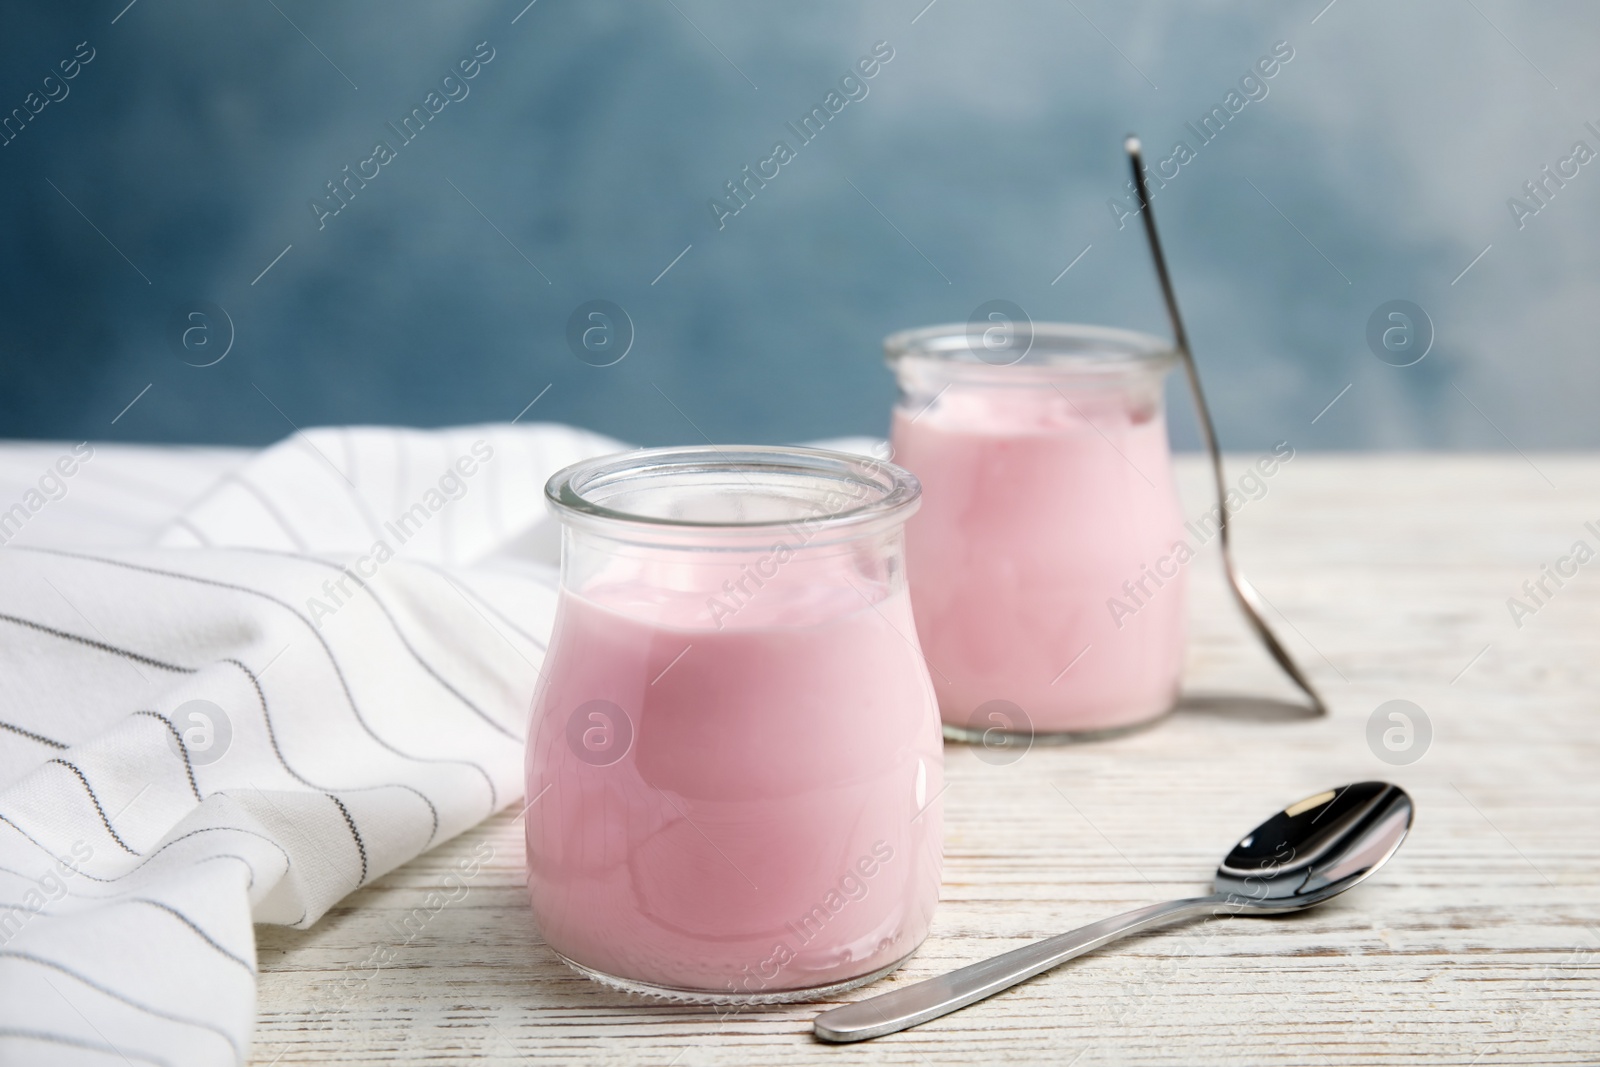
(1304,855)
(1316,849)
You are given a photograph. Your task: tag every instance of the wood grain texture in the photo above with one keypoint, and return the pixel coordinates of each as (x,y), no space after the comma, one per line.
(1478,944)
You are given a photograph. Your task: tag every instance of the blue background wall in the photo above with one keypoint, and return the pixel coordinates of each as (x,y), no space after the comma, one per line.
(977,167)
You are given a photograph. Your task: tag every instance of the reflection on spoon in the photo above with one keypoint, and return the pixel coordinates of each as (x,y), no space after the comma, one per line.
(1306,854)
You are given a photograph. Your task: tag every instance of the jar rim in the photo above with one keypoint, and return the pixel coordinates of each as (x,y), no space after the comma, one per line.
(874,491)
(1038,349)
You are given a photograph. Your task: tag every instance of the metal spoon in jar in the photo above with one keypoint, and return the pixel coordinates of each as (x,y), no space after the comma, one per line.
(1245,593)
(1306,854)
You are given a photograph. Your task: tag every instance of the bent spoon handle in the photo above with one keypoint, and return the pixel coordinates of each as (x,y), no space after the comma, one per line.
(915,1004)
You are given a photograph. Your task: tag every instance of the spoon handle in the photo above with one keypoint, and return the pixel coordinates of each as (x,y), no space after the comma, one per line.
(915,1004)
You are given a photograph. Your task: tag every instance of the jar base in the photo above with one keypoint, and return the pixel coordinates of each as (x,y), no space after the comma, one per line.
(1008,738)
(707,996)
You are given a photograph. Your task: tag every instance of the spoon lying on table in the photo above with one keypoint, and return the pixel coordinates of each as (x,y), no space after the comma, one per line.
(1304,855)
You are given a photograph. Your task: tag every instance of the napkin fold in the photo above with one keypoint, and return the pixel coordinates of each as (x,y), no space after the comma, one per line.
(320,669)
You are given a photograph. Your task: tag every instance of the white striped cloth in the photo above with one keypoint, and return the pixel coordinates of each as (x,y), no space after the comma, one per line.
(317,666)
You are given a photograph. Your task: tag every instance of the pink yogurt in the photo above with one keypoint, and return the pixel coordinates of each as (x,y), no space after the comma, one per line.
(1042,564)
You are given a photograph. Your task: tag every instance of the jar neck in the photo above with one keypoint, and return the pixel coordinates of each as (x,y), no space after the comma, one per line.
(955,395)
(1074,375)
(790,578)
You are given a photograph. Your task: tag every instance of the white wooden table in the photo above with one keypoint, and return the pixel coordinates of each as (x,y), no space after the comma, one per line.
(1478,944)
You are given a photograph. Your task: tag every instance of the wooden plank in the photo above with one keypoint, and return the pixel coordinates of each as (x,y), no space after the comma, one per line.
(1480,943)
